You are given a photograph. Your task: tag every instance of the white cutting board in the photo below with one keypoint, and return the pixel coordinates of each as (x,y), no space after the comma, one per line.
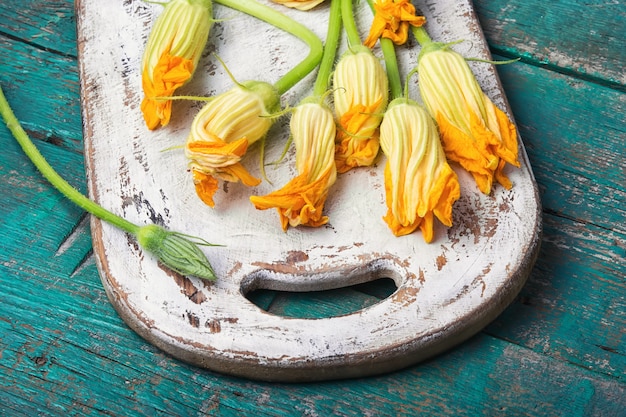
(447,290)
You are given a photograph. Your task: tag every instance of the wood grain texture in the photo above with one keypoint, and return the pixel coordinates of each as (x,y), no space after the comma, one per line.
(600,202)
(64,350)
(48,25)
(57,87)
(580,274)
(584,39)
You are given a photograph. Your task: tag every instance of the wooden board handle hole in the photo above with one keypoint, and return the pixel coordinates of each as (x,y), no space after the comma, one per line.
(323,304)
(281,290)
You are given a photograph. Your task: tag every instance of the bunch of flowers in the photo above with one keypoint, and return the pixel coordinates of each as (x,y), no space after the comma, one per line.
(458,122)
(369,112)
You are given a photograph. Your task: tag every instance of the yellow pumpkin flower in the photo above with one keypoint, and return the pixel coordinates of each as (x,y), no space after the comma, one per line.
(360,90)
(299,4)
(222,131)
(474,132)
(301,200)
(171,55)
(391,20)
(419,183)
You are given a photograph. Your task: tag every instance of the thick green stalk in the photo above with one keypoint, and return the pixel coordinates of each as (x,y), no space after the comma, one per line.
(330,49)
(51,175)
(421,35)
(391,62)
(391,66)
(281,21)
(347,15)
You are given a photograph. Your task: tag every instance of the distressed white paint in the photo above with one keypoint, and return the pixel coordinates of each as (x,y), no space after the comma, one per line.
(448,289)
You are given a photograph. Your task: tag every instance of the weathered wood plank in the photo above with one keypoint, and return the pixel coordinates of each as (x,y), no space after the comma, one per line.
(585,39)
(32,212)
(573,307)
(70,368)
(49,25)
(32,75)
(575,136)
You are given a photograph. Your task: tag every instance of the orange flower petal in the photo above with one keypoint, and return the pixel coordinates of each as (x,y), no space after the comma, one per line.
(440,200)
(392,221)
(443,194)
(353,152)
(357,139)
(419,182)
(298,202)
(206,187)
(238,171)
(219,147)
(170,73)
(474,153)
(232,171)
(391,20)
(426,227)
(507,147)
(501,177)
(376,31)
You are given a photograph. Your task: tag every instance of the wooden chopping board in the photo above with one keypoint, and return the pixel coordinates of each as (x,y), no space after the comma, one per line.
(447,290)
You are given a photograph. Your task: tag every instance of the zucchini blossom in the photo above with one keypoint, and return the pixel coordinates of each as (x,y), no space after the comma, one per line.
(301,200)
(391,20)
(222,131)
(171,55)
(419,183)
(474,132)
(299,4)
(360,96)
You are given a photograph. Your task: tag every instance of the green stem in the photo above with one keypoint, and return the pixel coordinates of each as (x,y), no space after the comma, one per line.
(347,14)
(51,175)
(421,35)
(391,62)
(279,20)
(330,49)
(391,66)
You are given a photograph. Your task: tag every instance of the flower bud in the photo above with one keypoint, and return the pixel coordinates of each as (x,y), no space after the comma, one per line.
(171,55)
(299,4)
(313,130)
(301,200)
(176,251)
(474,132)
(360,97)
(222,131)
(419,183)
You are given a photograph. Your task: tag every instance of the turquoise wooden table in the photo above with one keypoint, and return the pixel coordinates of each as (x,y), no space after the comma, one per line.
(558,350)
